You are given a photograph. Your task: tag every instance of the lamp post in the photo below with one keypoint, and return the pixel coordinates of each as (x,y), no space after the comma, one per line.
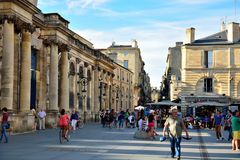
(83,81)
(118,91)
(100,93)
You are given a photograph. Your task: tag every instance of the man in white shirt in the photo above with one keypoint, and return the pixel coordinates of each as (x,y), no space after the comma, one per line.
(41,116)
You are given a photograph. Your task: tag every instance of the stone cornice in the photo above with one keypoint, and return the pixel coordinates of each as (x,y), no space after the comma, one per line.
(18,23)
(28,6)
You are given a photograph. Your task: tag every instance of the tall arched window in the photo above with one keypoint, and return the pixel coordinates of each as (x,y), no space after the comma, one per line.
(81,75)
(71,85)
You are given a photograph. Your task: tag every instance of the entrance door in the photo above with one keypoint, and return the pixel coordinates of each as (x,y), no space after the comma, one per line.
(33,79)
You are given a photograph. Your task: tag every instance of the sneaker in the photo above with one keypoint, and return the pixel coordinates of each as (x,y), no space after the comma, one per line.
(172,156)
(222,138)
(218,139)
(178,158)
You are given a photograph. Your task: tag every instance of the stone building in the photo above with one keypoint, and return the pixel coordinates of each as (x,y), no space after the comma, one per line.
(46,65)
(129,56)
(207,70)
(122,95)
(155,95)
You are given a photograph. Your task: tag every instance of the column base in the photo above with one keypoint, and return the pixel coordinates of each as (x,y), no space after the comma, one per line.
(52,119)
(21,122)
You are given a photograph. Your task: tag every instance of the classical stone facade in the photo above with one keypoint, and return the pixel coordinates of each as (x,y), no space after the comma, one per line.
(46,65)
(122,97)
(129,56)
(207,69)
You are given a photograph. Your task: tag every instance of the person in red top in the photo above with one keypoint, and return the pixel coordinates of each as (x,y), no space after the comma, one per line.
(4,125)
(63,122)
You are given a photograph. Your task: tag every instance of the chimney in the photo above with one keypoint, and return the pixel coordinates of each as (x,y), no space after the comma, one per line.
(223,26)
(178,44)
(134,43)
(190,35)
(233,32)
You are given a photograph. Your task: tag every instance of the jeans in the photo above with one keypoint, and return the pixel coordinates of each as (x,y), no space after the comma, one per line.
(4,132)
(175,146)
(230,137)
(120,123)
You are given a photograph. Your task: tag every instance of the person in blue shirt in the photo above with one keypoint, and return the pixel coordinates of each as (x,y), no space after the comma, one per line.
(74,119)
(218,122)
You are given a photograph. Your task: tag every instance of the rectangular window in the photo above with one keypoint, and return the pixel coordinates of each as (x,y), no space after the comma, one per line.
(208,85)
(208,59)
(125,64)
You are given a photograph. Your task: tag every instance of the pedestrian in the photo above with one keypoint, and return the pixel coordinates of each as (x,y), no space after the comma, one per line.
(107,119)
(74,118)
(63,123)
(175,126)
(102,115)
(228,124)
(131,120)
(217,122)
(151,131)
(42,116)
(121,119)
(236,131)
(126,115)
(4,125)
(35,119)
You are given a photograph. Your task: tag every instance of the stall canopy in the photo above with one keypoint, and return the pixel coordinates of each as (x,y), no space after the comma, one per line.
(216,104)
(139,108)
(163,104)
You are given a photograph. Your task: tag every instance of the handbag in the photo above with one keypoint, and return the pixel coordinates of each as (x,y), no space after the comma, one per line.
(8,125)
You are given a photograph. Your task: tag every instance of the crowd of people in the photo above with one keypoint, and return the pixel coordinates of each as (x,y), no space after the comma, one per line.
(147,121)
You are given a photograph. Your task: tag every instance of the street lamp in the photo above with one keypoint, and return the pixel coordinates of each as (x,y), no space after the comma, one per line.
(118,91)
(83,82)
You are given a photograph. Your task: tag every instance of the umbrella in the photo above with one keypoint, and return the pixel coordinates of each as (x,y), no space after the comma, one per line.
(139,108)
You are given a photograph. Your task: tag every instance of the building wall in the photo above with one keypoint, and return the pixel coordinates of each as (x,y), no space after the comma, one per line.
(224,71)
(132,53)
(60,55)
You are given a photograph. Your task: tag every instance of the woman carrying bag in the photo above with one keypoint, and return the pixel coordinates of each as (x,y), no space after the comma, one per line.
(5,125)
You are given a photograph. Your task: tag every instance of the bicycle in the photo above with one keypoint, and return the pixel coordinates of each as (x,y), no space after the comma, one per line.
(62,135)
(80,124)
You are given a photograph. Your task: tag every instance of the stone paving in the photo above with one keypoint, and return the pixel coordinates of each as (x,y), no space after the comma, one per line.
(94,142)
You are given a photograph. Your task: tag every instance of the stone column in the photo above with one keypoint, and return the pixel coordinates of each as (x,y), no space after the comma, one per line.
(7,65)
(96,90)
(53,83)
(64,80)
(25,84)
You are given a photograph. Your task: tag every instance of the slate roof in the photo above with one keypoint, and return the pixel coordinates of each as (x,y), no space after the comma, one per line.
(218,39)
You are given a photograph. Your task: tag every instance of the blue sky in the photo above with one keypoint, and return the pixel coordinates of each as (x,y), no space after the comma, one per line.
(156,24)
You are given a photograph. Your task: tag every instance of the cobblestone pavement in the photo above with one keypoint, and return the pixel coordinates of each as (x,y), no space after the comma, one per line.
(94,142)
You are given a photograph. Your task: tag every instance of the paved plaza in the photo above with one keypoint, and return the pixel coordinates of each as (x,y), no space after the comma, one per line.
(94,142)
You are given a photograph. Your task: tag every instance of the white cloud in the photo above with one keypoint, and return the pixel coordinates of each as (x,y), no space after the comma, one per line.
(154,40)
(85,3)
(45,3)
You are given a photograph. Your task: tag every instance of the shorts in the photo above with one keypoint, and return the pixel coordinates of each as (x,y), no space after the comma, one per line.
(236,135)
(64,127)
(151,125)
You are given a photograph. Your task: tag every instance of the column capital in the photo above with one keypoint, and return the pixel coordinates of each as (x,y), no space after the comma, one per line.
(9,18)
(26,27)
(86,64)
(78,60)
(63,47)
(49,42)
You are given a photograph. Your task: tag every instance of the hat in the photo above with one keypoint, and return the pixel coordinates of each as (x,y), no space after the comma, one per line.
(151,111)
(173,108)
